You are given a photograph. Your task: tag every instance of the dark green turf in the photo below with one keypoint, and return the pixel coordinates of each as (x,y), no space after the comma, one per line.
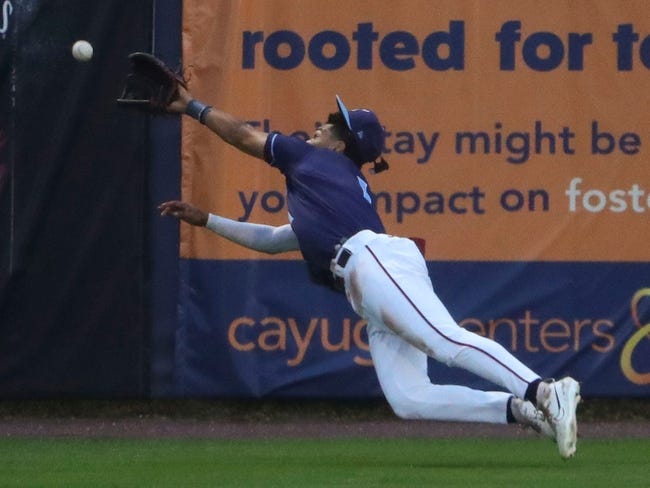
(304,463)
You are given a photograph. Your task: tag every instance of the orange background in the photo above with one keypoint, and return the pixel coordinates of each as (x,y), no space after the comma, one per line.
(421,99)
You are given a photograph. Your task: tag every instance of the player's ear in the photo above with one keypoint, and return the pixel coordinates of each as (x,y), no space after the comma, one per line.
(339,146)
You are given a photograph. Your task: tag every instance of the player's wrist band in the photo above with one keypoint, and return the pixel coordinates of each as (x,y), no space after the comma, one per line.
(197,110)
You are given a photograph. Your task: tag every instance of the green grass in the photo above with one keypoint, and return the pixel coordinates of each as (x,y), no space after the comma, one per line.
(305,463)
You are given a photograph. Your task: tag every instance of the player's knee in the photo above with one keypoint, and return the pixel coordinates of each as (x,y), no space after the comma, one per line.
(406,412)
(404,404)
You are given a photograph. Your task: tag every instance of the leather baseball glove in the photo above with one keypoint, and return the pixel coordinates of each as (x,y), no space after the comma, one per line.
(151,85)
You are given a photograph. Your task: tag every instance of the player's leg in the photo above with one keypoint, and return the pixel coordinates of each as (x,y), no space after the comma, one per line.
(387,283)
(403,375)
(397,292)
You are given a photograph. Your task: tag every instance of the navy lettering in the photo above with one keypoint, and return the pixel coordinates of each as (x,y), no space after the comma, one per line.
(295,55)
(555,51)
(332,50)
(341,50)
(407,203)
(625,38)
(249,41)
(397,50)
(427,145)
(365,36)
(455,42)
(541,51)
(247,204)
(273,201)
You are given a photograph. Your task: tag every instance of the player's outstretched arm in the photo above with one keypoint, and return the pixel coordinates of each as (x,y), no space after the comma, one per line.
(259,237)
(228,127)
(184,211)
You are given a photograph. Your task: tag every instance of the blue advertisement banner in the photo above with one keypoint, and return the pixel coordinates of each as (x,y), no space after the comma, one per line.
(259,328)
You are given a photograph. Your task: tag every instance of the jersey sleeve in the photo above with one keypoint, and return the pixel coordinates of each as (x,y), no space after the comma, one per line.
(283,152)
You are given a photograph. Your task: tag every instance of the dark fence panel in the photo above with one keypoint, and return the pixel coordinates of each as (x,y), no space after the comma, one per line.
(73,190)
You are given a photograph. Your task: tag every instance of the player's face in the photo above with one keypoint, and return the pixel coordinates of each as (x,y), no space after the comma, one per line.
(324,138)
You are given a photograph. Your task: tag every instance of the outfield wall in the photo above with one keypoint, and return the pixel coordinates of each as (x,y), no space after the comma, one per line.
(517,144)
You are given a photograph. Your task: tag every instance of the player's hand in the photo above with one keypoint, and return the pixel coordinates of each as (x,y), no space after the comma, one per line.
(180,102)
(185,212)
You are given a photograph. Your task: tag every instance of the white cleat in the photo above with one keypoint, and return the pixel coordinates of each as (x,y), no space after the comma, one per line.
(559,401)
(526,414)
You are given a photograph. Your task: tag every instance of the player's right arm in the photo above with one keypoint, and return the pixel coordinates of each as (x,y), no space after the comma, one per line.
(232,130)
(259,237)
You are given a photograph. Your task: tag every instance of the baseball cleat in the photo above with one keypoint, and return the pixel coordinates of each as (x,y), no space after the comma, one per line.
(558,400)
(526,414)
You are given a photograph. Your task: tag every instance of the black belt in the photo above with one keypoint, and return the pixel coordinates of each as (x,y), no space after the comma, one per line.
(344,257)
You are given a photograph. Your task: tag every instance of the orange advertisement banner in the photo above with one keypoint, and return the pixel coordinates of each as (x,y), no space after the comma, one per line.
(516,130)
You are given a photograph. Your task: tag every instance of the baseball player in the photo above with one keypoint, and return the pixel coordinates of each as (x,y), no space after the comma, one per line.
(334,224)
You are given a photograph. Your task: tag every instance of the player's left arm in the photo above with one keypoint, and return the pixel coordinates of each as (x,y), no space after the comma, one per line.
(259,237)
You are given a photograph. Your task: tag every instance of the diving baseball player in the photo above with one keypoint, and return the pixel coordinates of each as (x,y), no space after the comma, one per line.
(334,224)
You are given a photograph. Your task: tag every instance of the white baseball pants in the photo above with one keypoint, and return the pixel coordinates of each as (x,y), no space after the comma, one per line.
(387,283)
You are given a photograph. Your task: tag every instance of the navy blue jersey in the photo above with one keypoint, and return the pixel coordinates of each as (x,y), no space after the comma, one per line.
(327,196)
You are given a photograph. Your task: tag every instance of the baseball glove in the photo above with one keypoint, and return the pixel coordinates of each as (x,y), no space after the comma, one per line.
(151,85)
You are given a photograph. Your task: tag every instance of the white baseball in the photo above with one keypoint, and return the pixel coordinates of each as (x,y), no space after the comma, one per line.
(82,51)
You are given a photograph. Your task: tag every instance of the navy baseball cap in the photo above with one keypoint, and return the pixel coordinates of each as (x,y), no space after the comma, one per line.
(366,129)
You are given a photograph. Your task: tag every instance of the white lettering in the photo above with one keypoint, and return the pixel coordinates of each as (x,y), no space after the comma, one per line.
(7,10)
(594,200)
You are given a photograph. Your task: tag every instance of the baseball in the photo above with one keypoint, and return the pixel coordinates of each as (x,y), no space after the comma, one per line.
(82,51)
